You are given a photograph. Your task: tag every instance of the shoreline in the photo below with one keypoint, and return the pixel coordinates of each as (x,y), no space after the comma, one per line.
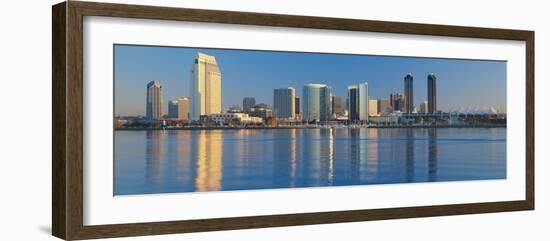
(306,127)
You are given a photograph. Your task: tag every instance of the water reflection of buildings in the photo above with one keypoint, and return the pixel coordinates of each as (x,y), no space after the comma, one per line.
(154,153)
(432,154)
(285,156)
(317,168)
(372,154)
(184,169)
(409,155)
(357,154)
(206,152)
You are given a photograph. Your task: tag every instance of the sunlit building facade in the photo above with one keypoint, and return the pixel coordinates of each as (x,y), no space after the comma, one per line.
(373,107)
(284,103)
(155,101)
(205,87)
(179,109)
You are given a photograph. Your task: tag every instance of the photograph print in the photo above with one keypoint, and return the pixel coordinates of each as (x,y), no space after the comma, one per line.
(190,119)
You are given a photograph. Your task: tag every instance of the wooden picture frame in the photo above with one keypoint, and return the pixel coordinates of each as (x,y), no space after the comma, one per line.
(67,123)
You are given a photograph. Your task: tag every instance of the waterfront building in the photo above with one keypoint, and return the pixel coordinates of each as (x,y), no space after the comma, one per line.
(397,102)
(432,93)
(390,119)
(248,102)
(173,109)
(155,101)
(383,106)
(240,118)
(205,87)
(260,110)
(358,102)
(284,103)
(179,109)
(424,107)
(408,93)
(337,106)
(373,107)
(316,102)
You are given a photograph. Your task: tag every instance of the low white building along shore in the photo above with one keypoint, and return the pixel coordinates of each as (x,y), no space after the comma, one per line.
(235,119)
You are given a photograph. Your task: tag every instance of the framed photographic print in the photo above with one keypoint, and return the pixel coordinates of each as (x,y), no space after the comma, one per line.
(170,120)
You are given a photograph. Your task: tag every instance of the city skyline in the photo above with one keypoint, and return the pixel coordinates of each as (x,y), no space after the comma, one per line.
(246,66)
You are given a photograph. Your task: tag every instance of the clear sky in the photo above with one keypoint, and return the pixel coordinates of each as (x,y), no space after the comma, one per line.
(461,83)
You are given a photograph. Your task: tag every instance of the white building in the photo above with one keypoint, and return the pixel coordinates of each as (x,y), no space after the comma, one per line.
(242,118)
(205,87)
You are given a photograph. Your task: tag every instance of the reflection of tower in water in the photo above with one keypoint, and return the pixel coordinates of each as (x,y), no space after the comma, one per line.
(356,155)
(284,158)
(207,152)
(432,154)
(318,162)
(409,154)
(154,153)
(184,164)
(372,153)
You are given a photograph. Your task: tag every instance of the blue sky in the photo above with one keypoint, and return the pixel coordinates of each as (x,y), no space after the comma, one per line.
(461,83)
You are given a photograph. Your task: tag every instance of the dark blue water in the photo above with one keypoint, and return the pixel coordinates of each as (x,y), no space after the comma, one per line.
(213,160)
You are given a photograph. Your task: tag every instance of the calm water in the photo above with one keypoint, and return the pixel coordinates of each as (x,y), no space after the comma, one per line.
(213,160)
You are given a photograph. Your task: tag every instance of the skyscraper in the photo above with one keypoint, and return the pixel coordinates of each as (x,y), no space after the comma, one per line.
(358,102)
(408,92)
(205,87)
(337,105)
(154,104)
(316,102)
(397,101)
(432,93)
(284,102)
(248,102)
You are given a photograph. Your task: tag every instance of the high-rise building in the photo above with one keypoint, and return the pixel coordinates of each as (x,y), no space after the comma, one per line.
(373,107)
(397,102)
(316,102)
(154,104)
(205,87)
(358,102)
(248,102)
(424,107)
(337,105)
(297,105)
(383,106)
(432,93)
(284,103)
(408,92)
(179,109)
